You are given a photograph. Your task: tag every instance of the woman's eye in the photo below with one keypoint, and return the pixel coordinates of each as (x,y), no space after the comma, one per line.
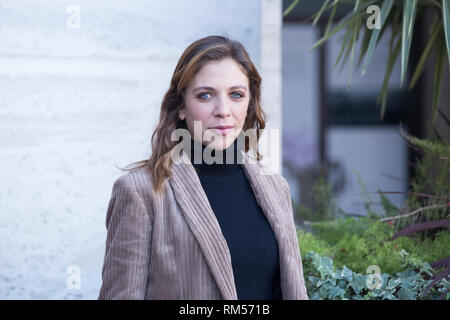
(204,96)
(236,95)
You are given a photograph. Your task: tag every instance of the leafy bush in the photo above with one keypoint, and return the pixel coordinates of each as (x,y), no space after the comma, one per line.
(358,243)
(432,183)
(324,281)
(401,242)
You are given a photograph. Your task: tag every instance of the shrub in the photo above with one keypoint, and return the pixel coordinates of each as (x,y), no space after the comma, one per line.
(324,281)
(358,243)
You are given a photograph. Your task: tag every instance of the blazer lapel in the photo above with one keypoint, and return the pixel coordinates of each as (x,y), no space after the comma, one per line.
(203,223)
(266,195)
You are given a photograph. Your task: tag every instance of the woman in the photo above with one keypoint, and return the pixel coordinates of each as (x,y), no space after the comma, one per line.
(201,229)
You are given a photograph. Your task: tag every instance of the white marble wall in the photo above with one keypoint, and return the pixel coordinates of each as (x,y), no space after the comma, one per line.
(271,74)
(73,104)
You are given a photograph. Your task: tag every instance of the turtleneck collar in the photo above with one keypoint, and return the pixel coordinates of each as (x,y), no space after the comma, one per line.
(229,157)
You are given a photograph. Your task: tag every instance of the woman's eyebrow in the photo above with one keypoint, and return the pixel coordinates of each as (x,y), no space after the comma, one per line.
(212,89)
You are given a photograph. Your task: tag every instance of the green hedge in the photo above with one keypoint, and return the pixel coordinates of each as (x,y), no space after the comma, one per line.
(358,243)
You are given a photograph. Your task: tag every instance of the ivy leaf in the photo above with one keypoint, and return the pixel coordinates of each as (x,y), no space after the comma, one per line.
(347,274)
(336,292)
(313,280)
(359,282)
(393,283)
(405,294)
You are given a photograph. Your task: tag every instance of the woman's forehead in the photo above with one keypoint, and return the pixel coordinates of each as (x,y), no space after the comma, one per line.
(220,74)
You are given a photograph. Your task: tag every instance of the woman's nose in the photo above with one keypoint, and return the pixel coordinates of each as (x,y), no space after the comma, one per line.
(222,106)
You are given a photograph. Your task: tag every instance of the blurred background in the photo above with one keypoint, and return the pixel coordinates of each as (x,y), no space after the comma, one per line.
(81,84)
(335,127)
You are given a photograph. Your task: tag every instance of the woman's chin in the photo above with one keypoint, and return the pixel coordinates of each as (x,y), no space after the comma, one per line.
(221,142)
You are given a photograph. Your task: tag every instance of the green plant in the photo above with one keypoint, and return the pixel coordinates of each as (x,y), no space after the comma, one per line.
(357,243)
(368,201)
(429,207)
(430,196)
(419,263)
(324,205)
(325,281)
(400,16)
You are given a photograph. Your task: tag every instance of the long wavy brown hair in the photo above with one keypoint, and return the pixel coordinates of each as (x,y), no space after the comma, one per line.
(194,57)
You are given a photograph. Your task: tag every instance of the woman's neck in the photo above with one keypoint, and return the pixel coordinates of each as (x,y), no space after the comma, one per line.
(204,158)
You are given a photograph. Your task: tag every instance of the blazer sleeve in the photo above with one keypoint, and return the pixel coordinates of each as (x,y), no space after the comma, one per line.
(128,241)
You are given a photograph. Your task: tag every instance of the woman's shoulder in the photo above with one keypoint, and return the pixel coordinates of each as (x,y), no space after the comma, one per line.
(138,180)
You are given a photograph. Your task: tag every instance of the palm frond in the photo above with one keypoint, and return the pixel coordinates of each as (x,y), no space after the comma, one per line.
(384,12)
(409,16)
(438,72)
(446,20)
(435,30)
(291,6)
(400,15)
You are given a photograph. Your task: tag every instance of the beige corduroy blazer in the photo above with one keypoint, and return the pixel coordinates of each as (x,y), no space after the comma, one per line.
(170,246)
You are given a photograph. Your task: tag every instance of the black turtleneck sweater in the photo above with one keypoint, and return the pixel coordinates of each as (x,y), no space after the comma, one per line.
(252,243)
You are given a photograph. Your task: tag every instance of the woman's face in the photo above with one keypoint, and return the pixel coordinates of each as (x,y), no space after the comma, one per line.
(218,95)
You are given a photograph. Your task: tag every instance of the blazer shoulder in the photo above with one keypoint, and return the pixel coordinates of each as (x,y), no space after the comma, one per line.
(134,187)
(138,180)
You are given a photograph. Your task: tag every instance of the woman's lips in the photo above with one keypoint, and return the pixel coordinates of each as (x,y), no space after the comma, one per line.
(224,130)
